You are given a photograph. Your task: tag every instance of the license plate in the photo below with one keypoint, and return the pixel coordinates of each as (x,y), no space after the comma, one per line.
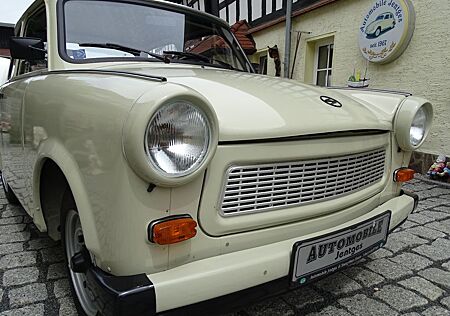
(316,257)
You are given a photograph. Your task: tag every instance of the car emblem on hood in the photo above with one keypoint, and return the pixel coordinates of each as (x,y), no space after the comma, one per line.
(331,101)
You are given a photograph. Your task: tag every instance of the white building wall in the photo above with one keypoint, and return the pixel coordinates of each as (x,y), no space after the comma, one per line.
(423,69)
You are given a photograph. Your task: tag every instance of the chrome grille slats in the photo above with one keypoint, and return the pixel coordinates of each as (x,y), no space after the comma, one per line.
(265,187)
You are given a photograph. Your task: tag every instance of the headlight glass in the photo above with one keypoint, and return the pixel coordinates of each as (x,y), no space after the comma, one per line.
(418,127)
(177,138)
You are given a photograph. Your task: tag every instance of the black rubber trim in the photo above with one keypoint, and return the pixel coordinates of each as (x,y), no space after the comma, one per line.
(354,133)
(413,195)
(160,220)
(89,71)
(404,93)
(122,295)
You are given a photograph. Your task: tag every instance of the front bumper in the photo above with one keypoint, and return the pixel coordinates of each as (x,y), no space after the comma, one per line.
(255,272)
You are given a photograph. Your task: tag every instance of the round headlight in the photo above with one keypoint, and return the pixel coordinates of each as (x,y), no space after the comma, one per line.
(412,123)
(418,127)
(177,139)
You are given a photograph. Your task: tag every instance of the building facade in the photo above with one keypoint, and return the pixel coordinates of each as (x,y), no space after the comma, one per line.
(325,49)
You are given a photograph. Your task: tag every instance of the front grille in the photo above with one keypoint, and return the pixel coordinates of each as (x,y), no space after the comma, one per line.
(265,187)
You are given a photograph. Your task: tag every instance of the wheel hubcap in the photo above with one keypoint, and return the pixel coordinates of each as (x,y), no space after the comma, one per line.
(74,243)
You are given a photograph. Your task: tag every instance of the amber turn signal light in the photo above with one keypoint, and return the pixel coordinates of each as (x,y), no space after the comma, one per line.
(172,229)
(403,175)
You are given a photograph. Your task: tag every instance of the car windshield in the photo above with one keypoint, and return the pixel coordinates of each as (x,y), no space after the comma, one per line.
(106,31)
(380,17)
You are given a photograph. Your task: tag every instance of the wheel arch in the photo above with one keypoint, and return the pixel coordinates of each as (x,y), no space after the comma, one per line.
(56,171)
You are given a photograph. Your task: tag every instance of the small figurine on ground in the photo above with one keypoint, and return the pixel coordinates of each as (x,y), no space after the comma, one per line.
(439,170)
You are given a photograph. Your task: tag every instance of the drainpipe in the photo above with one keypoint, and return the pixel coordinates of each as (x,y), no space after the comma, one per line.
(287,40)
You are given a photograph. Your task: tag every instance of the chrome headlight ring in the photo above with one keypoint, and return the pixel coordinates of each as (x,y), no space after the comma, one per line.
(177,139)
(170,136)
(412,123)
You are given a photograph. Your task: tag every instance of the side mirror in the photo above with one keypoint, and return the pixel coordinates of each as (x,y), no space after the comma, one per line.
(28,48)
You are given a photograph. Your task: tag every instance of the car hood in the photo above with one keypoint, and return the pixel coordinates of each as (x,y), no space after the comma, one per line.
(251,106)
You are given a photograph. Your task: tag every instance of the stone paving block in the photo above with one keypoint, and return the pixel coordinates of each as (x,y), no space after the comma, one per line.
(407,238)
(419,218)
(56,271)
(13,210)
(438,250)
(399,298)
(337,284)
(67,307)
(446,302)
(11,220)
(20,276)
(418,186)
(446,265)
(27,294)
(437,276)
(395,245)
(41,243)
(424,287)
(302,297)
(412,261)
(445,209)
(432,202)
(14,237)
(32,310)
(443,226)
(426,232)
(380,253)
(436,311)
(388,269)
(6,229)
(432,193)
(435,215)
(61,288)
(19,259)
(331,311)
(10,248)
(365,277)
(408,224)
(359,305)
(1,294)
(52,255)
(270,307)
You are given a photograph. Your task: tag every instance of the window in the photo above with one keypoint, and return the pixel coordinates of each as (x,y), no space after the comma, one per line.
(36,26)
(323,63)
(262,67)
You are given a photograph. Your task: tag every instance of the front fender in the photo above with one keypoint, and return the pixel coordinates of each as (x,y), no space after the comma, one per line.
(53,149)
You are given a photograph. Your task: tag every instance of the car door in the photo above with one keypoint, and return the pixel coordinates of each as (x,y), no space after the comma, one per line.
(16,143)
(11,100)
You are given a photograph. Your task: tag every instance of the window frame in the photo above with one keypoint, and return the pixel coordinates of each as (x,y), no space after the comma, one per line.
(16,63)
(326,42)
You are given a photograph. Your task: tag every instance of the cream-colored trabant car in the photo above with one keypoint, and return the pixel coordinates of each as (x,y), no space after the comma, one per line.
(175,176)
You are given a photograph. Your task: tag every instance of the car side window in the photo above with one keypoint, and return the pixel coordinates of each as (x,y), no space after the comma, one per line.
(386,17)
(36,26)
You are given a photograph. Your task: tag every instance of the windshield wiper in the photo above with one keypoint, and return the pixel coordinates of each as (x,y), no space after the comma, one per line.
(131,50)
(199,57)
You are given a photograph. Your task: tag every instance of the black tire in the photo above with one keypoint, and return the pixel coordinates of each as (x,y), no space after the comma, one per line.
(10,196)
(68,208)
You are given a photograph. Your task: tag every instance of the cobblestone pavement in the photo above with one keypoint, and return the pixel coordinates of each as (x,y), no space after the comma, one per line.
(410,276)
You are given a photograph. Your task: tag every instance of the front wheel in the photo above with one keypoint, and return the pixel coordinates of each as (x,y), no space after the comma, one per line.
(378,32)
(73,242)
